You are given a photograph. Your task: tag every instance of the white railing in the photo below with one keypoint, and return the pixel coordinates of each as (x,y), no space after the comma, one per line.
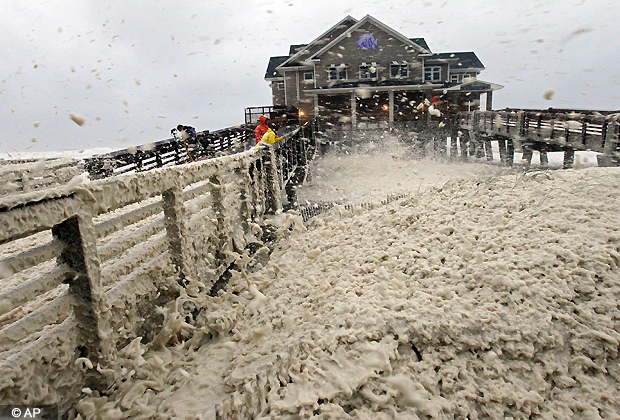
(95,260)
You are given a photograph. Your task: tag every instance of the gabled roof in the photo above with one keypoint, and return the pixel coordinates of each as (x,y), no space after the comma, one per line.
(295,49)
(372,20)
(274,62)
(331,31)
(421,42)
(461,60)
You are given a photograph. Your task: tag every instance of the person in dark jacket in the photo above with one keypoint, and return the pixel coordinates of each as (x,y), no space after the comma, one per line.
(187,132)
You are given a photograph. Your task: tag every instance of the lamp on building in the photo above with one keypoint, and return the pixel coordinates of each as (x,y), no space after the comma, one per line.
(386,107)
(301,113)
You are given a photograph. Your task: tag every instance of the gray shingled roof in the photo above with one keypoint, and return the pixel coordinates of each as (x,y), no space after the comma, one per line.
(295,48)
(273,63)
(421,42)
(465,60)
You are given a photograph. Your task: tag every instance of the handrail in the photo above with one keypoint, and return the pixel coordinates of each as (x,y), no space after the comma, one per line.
(596,131)
(152,260)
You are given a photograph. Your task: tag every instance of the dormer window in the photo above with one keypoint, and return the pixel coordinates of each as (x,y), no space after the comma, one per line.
(368,71)
(399,70)
(337,72)
(432,74)
(461,78)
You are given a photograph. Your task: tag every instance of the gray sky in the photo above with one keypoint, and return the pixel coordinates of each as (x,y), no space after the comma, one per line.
(135,69)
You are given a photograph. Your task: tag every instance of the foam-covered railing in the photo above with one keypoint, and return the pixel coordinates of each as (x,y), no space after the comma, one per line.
(93,262)
(581,130)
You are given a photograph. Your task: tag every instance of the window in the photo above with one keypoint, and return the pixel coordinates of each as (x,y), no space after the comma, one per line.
(308,76)
(399,70)
(454,78)
(337,73)
(432,74)
(333,73)
(368,71)
(280,86)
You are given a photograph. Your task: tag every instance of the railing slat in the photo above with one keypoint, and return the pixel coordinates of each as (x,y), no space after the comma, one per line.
(50,313)
(30,218)
(31,257)
(116,248)
(119,222)
(134,259)
(35,287)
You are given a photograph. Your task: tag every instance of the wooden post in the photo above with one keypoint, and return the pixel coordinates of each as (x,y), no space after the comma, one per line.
(218,208)
(501,143)
(242,174)
(569,158)
(25,179)
(611,138)
(353,111)
(453,145)
(488,147)
(273,202)
(510,152)
(80,253)
(479,146)
(465,140)
(527,157)
(520,124)
(610,147)
(489,104)
(259,186)
(174,213)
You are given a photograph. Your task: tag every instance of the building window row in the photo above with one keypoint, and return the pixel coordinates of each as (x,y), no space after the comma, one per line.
(397,71)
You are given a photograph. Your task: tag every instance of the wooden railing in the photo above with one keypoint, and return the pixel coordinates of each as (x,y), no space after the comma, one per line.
(171,152)
(551,130)
(88,265)
(30,175)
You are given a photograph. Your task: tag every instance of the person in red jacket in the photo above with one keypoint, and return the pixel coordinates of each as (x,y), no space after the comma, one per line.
(261,129)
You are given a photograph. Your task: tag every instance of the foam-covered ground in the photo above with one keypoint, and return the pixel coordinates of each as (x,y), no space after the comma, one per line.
(489,296)
(381,165)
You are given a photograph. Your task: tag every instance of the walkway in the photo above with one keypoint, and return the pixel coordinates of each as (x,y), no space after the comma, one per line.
(479,295)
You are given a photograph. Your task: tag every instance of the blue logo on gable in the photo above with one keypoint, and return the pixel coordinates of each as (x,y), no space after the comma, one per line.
(368,42)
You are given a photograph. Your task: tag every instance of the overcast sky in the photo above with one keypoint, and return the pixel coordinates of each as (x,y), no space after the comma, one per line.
(135,69)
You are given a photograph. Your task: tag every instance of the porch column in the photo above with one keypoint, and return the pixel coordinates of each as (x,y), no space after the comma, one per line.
(391,107)
(428,96)
(353,110)
(489,106)
(316,105)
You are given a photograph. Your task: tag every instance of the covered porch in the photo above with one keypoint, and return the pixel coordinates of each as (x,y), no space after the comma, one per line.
(365,106)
